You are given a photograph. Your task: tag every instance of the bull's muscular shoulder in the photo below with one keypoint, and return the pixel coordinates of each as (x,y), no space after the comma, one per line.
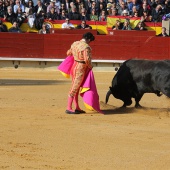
(149,72)
(139,66)
(162,71)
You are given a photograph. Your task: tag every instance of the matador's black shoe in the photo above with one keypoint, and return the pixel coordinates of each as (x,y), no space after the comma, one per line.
(80,111)
(69,112)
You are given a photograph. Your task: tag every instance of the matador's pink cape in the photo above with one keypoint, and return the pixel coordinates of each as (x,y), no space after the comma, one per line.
(65,66)
(88,88)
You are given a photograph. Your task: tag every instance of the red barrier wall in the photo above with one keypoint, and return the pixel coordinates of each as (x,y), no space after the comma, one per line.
(107,47)
(21,45)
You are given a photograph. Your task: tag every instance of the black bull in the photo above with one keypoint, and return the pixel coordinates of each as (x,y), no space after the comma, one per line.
(136,77)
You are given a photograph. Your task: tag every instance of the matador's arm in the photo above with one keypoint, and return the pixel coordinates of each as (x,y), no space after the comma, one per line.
(87,57)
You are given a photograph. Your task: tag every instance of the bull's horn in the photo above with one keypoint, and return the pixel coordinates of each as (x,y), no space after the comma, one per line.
(108,95)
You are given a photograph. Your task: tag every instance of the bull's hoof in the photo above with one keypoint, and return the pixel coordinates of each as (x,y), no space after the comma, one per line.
(128,103)
(159,94)
(123,106)
(138,106)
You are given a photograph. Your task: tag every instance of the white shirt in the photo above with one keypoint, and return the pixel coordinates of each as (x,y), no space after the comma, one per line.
(58,4)
(19,6)
(39,9)
(67,25)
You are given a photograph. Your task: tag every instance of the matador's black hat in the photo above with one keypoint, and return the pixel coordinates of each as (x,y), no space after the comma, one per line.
(88,35)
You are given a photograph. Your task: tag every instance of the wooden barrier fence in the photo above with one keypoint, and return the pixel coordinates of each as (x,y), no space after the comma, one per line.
(105,47)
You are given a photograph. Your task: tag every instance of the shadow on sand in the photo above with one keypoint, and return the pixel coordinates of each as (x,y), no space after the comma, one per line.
(119,110)
(108,109)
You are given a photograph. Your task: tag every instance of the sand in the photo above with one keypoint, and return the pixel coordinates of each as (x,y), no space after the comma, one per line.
(35,132)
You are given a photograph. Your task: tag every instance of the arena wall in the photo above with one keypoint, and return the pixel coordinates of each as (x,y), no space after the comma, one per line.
(107,50)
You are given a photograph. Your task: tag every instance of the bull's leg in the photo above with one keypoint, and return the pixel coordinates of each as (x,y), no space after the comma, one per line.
(137,100)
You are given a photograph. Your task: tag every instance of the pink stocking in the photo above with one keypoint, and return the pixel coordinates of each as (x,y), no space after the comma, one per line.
(69,104)
(76,102)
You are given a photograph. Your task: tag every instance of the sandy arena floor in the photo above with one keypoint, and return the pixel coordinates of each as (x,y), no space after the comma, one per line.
(36,134)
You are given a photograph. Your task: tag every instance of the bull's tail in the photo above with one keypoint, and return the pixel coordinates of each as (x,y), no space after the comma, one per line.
(107,96)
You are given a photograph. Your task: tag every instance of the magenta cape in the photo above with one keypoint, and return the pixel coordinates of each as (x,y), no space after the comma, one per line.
(89,93)
(65,66)
(88,88)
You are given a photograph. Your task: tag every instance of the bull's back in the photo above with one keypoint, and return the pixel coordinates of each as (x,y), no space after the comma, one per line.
(151,75)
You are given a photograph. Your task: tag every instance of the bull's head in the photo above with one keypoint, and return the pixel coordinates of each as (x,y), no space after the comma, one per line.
(119,93)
